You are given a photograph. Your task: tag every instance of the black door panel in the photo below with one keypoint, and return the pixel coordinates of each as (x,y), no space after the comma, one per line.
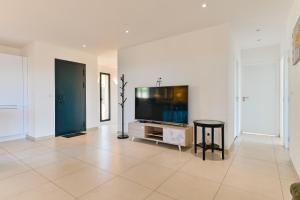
(70,97)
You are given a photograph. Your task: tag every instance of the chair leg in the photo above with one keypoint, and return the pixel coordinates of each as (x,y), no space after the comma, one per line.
(203,142)
(195,139)
(223,157)
(212,139)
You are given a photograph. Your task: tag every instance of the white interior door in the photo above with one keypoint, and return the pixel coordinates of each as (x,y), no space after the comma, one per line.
(11,96)
(260,98)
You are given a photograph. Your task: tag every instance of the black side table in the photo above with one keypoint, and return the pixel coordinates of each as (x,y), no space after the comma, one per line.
(208,124)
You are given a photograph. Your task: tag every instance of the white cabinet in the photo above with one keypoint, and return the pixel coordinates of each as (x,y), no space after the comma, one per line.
(174,136)
(160,133)
(136,130)
(13,95)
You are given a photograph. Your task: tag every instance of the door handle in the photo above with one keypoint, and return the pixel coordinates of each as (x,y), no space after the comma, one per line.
(60,99)
(245,99)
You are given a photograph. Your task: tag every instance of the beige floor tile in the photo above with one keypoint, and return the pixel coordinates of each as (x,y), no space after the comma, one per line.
(172,159)
(157,196)
(252,182)
(2,151)
(94,155)
(101,138)
(287,171)
(60,169)
(182,187)
(141,151)
(255,167)
(256,152)
(231,193)
(19,183)
(148,175)
(281,151)
(46,191)
(212,170)
(77,150)
(282,157)
(45,159)
(118,188)
(113,146)
(256,146)
(18,145)
(55,143)
(83,180)
(33,152)
(257,139)
(113,163)
(117,164)
(9,166)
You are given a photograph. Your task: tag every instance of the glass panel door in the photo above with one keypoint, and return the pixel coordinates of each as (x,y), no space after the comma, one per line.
(104,97)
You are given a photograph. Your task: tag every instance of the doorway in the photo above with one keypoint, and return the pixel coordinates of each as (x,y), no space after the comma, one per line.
(105,101)
(70,97)
(260,82)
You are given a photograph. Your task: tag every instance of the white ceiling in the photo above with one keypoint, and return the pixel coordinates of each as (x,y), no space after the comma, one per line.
(101,24)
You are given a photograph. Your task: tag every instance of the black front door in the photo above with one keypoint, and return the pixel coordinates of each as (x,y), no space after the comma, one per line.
(70,97)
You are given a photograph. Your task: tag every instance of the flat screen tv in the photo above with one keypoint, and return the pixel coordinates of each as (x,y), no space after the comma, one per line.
(162,104)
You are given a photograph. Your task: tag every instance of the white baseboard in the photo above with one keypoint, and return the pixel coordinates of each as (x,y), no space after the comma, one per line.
(39,138)
(10,138)
(262,134)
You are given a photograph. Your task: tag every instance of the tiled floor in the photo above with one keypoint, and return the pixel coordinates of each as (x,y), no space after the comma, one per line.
(100,167)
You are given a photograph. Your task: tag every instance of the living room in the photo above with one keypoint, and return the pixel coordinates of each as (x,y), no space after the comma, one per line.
(104,100)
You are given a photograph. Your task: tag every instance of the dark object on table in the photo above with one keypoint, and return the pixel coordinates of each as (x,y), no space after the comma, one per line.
(212,124)
(295,191)
(123,99)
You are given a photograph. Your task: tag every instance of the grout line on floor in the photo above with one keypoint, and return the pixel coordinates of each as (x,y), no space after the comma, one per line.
(49,180)
(235,156)
(277,167)
(221,183)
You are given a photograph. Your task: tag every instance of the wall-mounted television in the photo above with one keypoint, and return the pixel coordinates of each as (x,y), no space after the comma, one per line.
(162,104)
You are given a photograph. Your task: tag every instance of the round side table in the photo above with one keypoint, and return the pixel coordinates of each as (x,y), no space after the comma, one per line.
(212,124)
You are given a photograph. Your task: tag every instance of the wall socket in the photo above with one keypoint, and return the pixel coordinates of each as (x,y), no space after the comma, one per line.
(208,138)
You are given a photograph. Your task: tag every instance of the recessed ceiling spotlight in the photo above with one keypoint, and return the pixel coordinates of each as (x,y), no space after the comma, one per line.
(204,5)
(84,46)
(127,31)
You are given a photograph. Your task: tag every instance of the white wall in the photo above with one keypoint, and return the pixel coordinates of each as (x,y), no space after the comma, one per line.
(107,63)
(41,58)
(201,59)
(294,90)
(266,54)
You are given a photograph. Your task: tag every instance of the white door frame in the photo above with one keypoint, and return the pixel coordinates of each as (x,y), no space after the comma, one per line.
(284,100)
(237,100)
(273,62)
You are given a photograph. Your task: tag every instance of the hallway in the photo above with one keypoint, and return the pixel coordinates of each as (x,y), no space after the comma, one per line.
(98,166)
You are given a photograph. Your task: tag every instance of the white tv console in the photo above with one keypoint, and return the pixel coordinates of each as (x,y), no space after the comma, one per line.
(182,136)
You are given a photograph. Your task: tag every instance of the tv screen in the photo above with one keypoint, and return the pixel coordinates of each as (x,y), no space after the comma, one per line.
(162,104)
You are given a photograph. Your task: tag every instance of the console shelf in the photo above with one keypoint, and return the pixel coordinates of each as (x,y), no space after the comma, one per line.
(160,133)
